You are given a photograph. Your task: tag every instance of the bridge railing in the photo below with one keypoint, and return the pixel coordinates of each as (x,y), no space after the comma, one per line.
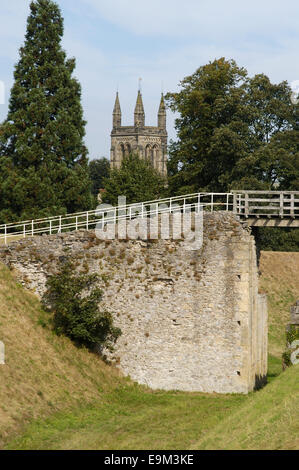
(280,204)
(88,220)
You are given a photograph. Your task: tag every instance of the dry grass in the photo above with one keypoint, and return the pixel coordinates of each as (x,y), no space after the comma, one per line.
(43,373)
(280,281)
(11,239)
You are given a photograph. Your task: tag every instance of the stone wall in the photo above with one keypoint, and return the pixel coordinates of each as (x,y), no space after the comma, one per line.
(191,320)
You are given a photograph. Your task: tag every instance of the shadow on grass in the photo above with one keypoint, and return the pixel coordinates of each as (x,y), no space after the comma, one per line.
(274,368)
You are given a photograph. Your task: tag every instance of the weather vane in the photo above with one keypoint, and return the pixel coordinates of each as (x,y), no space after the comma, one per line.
(140,80)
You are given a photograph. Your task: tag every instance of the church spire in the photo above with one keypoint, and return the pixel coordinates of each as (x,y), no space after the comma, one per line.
(116,113)
(139,116)
(162,114)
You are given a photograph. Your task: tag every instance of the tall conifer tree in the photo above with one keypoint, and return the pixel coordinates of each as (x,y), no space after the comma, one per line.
(43,159)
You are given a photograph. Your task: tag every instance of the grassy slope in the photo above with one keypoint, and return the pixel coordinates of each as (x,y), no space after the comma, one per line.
(267,420)
(126,416)
(280,281)
(43,373)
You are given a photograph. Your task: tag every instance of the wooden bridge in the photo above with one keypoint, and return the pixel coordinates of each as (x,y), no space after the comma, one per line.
(257,208)
(268,208)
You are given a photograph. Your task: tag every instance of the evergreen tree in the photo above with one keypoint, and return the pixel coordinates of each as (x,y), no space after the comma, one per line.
(136,179)
(43,159)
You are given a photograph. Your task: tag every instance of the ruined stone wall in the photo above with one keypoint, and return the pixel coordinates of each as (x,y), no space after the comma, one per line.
(191,320)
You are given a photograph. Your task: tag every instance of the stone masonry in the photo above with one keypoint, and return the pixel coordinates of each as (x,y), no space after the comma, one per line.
(149,142)
(191,320)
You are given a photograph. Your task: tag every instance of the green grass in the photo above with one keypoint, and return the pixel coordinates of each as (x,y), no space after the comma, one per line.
(267,420)
(274,367)
(131,417)
(121,415)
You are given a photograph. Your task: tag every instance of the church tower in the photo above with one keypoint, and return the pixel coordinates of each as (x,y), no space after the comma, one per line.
(148,142)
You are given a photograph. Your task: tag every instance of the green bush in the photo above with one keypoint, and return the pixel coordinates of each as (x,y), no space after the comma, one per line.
(292,335)
(74,300)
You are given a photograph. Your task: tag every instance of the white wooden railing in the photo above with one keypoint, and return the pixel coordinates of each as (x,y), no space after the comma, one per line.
(246,204)
(88,220)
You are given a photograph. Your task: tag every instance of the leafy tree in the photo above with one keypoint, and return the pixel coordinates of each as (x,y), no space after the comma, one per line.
(233,131)
(272,156)
(136,179)
(98,170)
(276,239)
(210,130)
(74,299)
(42,154)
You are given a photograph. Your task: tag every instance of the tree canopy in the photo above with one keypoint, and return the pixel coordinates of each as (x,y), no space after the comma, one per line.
(233,132)
(136,179)
(43,159)
(98,170)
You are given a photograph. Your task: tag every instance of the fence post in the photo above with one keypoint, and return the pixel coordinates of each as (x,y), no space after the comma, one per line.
(87,220)
(281,205)
(5,235)
(293,206)
(60,224)
(32,228)
(246,204)
(235,203)
(212,202)
(24,231)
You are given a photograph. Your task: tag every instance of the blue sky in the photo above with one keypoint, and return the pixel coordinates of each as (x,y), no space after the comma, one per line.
(117,41)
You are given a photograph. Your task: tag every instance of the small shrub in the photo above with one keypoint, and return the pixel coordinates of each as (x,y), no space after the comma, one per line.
(291,336)
(74,301)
